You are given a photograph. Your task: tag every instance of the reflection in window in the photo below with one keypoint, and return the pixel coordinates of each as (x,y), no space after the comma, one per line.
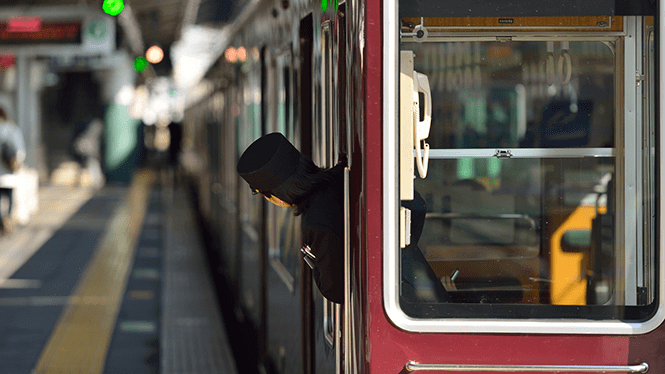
(507,236)
(287,230)
(497,94)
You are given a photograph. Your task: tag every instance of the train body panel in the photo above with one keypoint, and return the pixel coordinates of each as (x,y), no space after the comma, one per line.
(541,197)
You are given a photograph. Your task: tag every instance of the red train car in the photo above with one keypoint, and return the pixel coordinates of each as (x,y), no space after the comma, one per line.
(532,131)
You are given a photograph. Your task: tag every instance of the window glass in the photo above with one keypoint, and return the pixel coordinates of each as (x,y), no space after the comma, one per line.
(505,231)
(649,150)
(527,192)
(283,225)
(519,94)
(250,130)
(287,231)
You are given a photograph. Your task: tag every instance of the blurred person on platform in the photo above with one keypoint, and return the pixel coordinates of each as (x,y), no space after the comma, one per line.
(12,156)
(175,148)
(88,146)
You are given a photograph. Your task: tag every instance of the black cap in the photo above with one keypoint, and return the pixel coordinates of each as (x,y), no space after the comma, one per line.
(268,162)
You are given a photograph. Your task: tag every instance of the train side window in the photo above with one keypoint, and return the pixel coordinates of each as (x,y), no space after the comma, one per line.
(283,226)
(250,123)
(535,170)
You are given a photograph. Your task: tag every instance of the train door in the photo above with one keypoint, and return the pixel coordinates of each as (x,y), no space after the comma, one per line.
(326,322)
(283,228)
(216,152)
(532,147)
(306,107)
(229,193)
(231,220)
(329,147)
(530,163)
(250,254)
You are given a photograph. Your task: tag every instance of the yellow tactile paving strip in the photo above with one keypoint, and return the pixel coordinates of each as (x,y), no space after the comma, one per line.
(80,340)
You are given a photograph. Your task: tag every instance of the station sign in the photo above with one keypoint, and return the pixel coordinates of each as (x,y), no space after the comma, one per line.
(57,31)
(53,32)
(24,24)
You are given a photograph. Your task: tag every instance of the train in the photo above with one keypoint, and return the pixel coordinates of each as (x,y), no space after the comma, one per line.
(532,131)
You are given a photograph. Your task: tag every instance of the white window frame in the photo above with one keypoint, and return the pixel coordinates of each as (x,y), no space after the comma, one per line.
(390,225)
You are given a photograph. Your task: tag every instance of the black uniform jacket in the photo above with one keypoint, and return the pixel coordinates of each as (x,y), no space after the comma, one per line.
(419,284)
(323,233)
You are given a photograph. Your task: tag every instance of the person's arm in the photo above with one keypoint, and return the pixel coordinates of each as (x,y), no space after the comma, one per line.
(328,263)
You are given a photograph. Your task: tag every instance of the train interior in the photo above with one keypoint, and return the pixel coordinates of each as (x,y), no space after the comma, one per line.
(524,188)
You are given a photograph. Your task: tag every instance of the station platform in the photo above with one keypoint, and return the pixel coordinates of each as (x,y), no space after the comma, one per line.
(111,280)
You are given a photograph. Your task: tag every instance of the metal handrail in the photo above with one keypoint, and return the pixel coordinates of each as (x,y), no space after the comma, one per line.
(347,330)
(412,366)
(525,153)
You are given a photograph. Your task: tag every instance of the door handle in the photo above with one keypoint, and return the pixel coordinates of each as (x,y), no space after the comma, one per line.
(412,366)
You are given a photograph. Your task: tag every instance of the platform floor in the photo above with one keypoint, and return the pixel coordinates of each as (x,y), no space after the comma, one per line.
(110,281)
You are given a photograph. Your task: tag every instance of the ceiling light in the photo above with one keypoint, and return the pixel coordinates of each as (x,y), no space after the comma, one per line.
(154,54)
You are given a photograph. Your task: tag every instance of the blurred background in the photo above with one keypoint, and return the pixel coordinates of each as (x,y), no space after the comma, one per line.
(94,84)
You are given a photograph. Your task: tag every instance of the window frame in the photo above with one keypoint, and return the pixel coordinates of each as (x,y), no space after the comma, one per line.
(487,324)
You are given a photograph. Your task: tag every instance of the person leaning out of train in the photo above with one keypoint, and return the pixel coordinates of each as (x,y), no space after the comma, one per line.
(274,168)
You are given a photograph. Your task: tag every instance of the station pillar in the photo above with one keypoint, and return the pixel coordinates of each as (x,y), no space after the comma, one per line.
(122,140)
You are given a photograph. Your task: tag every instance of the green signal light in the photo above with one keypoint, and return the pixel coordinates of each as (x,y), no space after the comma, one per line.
(113,7)
(140,64)
(324,5)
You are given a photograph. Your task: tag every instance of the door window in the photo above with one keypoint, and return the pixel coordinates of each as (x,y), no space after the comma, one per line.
(534,167)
